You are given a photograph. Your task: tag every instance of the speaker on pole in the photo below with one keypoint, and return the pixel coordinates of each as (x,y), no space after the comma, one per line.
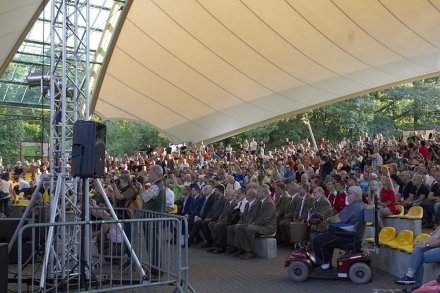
(88,149)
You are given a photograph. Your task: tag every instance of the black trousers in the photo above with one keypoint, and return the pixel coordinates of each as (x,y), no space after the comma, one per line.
(206,232)
(4,206)
(325,243)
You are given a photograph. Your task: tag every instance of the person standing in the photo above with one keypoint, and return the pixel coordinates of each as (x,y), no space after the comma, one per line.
(154,198)
(5,195)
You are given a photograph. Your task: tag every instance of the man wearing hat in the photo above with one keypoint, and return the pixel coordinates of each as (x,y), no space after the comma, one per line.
(348,219)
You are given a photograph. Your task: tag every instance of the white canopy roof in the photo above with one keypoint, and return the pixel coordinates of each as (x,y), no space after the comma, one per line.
(205,69)
(16,19)
(202,70)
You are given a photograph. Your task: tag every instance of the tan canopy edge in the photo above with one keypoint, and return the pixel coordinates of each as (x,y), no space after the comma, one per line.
(16,19)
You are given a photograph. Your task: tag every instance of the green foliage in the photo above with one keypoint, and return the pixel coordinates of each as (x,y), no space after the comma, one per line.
(414,105)
(11,134)
(126,137)
(409,106)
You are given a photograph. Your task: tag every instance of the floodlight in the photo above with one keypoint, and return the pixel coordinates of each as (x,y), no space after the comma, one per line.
(35,79)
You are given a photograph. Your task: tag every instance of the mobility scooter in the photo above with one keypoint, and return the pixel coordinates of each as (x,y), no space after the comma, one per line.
(353,264)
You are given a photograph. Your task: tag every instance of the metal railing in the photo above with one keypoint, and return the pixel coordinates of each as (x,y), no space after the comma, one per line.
(120,254)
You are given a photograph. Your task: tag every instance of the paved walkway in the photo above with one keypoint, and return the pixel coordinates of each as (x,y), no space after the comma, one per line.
(224,273)
(218,273)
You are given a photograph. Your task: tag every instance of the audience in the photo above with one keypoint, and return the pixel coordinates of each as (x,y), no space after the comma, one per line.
(231,195)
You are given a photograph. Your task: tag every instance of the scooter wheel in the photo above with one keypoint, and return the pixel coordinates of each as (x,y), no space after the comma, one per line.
(360,273)
(298,271)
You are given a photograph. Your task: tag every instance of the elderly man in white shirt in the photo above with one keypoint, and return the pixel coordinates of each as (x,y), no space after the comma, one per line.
(232,183)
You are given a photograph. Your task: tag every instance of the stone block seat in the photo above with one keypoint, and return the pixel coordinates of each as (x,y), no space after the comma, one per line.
(266,246)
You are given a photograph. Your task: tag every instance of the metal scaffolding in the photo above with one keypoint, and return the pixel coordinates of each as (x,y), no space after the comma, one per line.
(67,251)
(69,100)
(33,56)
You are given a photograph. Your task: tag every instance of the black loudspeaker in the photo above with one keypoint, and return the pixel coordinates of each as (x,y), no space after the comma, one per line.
(4,267)
(9,225)
(88,149)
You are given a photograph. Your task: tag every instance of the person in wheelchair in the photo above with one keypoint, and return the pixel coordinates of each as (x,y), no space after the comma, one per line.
(344,229)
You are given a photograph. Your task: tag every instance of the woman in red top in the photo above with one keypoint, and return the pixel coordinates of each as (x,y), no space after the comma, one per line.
(337,199)
(387,202)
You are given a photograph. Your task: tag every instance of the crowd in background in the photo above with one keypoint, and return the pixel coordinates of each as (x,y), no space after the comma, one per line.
(411,165)
(230,195)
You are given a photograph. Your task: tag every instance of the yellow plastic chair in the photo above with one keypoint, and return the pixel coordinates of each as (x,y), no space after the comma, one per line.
(28,177)
(404,238)
(22,203)
(414,213)
(409,248)
(386,235)
(400,212)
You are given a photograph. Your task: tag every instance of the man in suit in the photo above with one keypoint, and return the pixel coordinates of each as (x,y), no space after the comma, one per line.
(185,205)
(216,210)
(196,204)
(250,212)
(321,205)
(301,206)
(281,199)
(201,213)
(265,223)
(186,202)
(285,219)
(218,228)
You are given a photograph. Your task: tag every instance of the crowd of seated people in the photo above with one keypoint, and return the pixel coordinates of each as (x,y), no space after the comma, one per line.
(232,194)
(19,182)
(220,189)
(404,172)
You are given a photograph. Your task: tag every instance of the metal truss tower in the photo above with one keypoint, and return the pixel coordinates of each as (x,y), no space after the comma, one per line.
(69,102)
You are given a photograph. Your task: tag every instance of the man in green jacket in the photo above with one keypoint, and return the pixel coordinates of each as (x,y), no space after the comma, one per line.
(265,223)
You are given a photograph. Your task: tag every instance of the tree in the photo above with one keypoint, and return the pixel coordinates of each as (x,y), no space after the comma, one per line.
(413,105)
(126,137)
(11,134)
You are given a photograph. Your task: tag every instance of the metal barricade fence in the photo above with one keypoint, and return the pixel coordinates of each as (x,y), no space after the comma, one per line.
(177,234)
(153,253)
